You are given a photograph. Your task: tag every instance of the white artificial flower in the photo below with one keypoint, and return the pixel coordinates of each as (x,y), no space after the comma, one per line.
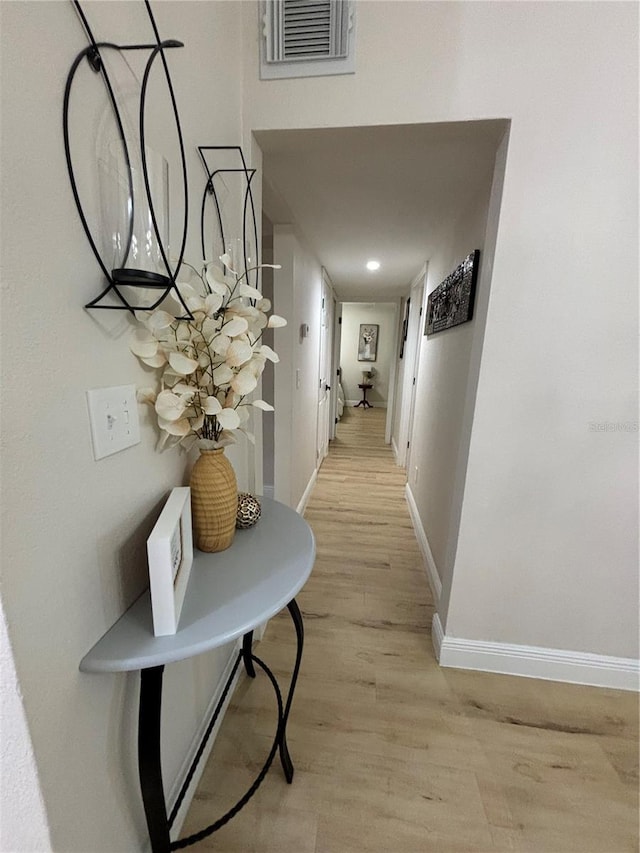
(244,382)
(228,419)
(195,304)
(211,406)
(220,344)
(160,320)
(258,363)
(236,326)
(198,423)
(267,352)
(211,327)
(222,374)
(169,406)
(230,399)
(143,344)
(257,325)
(209,361)
(185,391)
(182,364)
(212,303)
(157,360)
(183,334)
(215,280)
(238,353)
(248,291)
(276,322)
(180,427)
(170,377)
(226,260)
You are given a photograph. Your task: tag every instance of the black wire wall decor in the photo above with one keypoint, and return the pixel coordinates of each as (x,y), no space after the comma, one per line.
(127,276)
(249,227)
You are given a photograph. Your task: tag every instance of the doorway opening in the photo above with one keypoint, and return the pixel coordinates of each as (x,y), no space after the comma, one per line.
(367,353)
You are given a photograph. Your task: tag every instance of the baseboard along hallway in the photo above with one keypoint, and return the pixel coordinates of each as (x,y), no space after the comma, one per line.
(392,753)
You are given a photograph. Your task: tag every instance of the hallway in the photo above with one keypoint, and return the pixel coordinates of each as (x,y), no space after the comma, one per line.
(392,753)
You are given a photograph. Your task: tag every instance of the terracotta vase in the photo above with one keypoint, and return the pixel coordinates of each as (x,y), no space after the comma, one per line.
(214,501)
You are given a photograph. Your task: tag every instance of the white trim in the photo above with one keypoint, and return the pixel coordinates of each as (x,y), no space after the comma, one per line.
(393,373)
(197,739)
(269,492)
(437,635)
(394,447)
(376,405)
(304,500)
(432,572)
(537,662)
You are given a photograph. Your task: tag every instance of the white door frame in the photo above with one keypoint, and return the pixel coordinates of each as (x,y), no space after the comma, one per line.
(412,355)
(393,376)
(335,365)
(325,378)
(410,449)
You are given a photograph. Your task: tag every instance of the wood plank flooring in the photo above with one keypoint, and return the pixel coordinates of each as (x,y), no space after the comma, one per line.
(392,753)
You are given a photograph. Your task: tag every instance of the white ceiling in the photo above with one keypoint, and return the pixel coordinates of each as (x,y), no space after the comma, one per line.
(384,192)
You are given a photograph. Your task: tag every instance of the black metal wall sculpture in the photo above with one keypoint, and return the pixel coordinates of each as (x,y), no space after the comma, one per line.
(249,227)
(130,274)
(451,303)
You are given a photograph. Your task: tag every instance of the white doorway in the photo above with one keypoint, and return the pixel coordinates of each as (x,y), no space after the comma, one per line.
(375,368)
(325,381)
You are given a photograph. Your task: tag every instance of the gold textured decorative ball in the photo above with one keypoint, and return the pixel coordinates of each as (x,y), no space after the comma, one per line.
(249,510)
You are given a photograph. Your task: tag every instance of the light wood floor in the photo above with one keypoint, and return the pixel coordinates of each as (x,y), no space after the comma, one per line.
(392,753)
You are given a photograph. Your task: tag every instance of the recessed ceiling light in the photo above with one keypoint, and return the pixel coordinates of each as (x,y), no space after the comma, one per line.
(373,265)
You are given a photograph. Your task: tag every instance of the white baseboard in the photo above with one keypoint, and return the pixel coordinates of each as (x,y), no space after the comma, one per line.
(195,743)
(394,447)
(535,661)
(437,636)
(304,500)
(382,404)
(432,573)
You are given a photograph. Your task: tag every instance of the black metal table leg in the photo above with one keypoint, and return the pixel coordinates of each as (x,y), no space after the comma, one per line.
(149,757)
(247,644)
(149,762)
(285,758)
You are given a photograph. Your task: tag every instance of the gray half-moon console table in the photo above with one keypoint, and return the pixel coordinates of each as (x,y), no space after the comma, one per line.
(229,595)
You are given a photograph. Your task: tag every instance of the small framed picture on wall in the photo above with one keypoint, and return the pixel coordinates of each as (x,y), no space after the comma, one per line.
(368,342)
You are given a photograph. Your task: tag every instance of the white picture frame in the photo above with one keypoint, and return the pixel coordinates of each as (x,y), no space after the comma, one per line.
(170,556)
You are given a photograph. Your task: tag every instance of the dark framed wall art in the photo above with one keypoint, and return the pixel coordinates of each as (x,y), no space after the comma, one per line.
(405,326)
(368,342)
(451,303)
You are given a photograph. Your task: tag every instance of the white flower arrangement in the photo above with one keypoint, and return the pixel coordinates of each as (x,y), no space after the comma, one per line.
(209,363)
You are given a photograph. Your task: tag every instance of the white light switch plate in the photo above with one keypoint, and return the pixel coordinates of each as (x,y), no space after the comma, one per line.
(113,414)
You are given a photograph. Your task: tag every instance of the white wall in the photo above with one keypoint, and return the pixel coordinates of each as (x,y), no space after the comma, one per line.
(440,444)
(298,297)
(547,551)
(353,314)
(23,820)
(74,530)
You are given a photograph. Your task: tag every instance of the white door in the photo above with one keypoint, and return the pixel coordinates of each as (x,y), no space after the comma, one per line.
(335,368)
(324,385)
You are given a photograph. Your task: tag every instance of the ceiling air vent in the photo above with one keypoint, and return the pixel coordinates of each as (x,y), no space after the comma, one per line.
(304,38)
